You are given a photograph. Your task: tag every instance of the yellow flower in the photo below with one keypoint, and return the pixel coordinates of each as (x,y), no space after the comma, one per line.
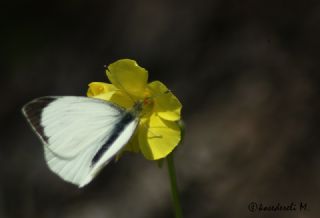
(158,132)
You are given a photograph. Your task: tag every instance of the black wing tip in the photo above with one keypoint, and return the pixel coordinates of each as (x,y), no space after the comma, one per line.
(32,112)
(36,105)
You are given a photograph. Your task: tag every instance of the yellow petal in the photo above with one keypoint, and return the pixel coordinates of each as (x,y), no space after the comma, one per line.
(109,92)
(166,104)
(158,137)
(99,88)
(128,76)
(122,100)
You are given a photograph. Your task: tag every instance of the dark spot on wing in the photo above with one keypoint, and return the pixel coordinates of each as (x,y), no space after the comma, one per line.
(33,111)
(119,127)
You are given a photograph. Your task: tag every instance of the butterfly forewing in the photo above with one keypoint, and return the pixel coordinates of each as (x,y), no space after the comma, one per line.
(77,132)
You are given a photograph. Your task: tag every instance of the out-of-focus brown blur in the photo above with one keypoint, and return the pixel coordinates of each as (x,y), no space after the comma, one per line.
(246,72)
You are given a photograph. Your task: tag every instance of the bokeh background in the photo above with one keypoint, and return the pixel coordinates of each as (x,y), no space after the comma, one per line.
(246,72)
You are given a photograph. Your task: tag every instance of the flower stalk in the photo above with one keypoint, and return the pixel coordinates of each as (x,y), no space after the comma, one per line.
(174,186)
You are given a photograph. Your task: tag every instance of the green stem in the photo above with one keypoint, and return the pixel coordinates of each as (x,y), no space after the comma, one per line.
(174,187)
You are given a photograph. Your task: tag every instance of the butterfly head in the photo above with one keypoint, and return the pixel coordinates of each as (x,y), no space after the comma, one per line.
(145,106)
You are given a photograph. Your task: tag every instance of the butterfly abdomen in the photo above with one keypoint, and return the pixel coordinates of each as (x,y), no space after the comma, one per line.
(127,118)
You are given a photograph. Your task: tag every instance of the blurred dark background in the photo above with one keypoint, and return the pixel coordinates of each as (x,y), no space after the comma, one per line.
(245,71)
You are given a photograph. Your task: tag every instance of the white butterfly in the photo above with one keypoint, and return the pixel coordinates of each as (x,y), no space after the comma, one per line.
(80,134)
